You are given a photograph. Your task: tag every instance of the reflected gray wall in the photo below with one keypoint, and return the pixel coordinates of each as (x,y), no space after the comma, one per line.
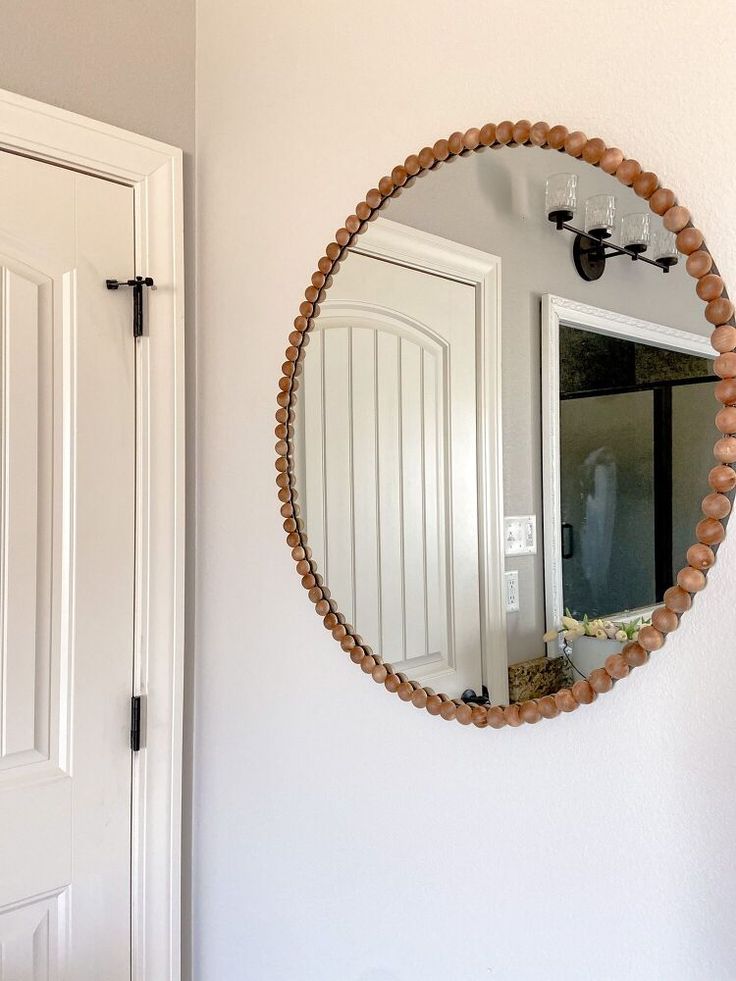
(494,201)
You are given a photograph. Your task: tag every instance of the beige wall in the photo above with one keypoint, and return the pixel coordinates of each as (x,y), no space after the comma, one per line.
(341,836)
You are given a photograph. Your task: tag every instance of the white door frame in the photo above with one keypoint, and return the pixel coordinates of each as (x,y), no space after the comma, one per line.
(154,172)
(558,311)
(441,257)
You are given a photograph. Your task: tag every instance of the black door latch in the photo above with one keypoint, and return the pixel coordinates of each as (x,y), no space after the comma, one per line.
(137,285)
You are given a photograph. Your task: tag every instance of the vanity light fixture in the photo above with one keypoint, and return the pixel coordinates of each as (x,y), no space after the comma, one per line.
(591,249)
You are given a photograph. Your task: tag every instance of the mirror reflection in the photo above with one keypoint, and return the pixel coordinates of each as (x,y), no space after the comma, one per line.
(504,425)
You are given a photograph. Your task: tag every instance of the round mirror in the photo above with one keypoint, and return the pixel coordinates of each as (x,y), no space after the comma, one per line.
(496,424)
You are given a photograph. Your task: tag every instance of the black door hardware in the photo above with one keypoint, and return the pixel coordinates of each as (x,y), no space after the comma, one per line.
(135,723)
(137,285)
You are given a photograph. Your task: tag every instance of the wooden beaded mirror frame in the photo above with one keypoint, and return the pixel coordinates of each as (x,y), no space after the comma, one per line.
(710,531)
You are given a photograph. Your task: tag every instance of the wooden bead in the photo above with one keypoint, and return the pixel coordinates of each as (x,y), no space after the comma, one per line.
(689,240)
(548,707)
(650,638)
(322,607)
(405,691)
(676,218)
(479,716)
(725,365)
(512,715)
(419,698)
(725,390)
(426,158)
(505,132)
(719,311)
(363,210)
(725,450)
(529,712)
(434,704)
(348,643)
(521,131)
(441,150)
(723,339)
(575,142)
(455,143)
(342,235)
(699,263)
(665,620)
(392,683)
(645,184)
(448,710)
(710,287)
(496,718)
(722,479)
(464,714)
(700,556)
(611,160)
(385,186)
(373,199)
(379,674)
(471,139)
(678,599)
(565,700)
(330,621)
(616,666)
(726,419)
(412,165)
(556,137)
(628,171)
(710,531)
(538,134)
(488,134)
(583,692)
(593,151)
(634,654)
(662,200)
(691,579)
(356,654)
(368,663)
(600,681)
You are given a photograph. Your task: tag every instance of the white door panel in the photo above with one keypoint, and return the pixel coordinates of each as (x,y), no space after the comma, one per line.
(67,503)
(390,468)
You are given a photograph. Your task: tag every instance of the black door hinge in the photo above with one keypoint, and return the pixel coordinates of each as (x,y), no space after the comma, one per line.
(135,723)
(136,285)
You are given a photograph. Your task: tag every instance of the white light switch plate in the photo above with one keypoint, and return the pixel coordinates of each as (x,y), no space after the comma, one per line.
(520,535)
(512,591)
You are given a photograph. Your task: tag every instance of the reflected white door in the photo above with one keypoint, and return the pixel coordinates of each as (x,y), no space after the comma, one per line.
(67,485)
(390,470)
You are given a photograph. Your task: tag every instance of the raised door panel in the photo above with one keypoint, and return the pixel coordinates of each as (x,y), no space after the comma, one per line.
(29,939)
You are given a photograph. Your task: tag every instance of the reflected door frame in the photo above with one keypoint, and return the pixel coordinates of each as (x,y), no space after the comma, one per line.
(153,171)
(442,257)
(556,312)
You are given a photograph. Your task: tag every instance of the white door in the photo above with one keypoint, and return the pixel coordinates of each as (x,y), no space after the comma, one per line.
(390,468)
(67,485)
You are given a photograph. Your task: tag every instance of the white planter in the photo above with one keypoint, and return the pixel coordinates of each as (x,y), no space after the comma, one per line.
(589,653)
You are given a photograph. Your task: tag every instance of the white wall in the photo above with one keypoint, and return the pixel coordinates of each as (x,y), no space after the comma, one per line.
(340,835)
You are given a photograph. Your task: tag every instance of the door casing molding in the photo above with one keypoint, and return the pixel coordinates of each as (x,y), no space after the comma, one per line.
(153,171)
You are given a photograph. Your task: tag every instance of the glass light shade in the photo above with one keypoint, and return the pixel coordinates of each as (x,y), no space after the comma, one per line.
(560,197)
(635,232)
(664,249)
(600,215)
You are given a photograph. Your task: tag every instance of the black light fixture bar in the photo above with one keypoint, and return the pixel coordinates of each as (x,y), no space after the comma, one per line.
(601,244)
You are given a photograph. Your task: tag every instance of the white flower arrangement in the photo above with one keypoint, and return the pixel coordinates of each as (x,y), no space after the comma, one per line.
(572,629)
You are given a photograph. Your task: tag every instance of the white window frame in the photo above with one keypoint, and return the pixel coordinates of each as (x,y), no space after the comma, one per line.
(153,171)
(557,311)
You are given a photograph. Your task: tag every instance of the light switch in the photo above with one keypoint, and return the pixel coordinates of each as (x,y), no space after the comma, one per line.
(520,535)
(512,591)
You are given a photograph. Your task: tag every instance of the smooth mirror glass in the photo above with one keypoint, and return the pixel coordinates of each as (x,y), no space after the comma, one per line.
(504,425)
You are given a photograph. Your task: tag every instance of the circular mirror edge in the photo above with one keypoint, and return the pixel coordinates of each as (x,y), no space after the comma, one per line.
(709,532)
